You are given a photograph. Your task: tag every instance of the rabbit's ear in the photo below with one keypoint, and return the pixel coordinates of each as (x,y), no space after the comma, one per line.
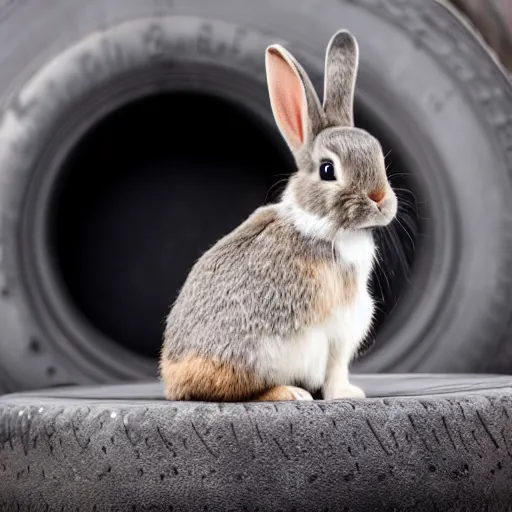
(294,102)
(341,65)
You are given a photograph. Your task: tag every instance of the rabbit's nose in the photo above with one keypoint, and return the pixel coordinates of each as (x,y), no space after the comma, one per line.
(377,196)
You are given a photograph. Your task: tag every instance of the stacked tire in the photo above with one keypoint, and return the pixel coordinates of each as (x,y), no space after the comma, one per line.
(103,208)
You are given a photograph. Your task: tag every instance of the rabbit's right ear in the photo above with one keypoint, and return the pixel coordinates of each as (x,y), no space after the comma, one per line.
(341,65)
(294,102)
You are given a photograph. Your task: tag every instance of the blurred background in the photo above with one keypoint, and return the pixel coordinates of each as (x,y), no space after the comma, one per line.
(133,135)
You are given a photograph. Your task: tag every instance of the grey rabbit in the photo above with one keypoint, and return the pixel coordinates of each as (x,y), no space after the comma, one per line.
(277,308)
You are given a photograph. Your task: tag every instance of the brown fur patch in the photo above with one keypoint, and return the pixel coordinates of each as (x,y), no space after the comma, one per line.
(337,288)
(197,378)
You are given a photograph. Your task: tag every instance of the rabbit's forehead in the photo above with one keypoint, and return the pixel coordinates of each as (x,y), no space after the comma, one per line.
(350,145)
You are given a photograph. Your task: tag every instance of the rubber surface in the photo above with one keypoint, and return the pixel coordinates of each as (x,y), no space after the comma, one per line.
(493,19)
(420,442)
(423,74)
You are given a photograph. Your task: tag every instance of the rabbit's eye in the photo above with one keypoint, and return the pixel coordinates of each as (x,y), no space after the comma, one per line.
(327,171)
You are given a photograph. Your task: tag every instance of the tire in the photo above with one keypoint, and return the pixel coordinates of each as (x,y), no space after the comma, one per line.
(97,234)
(420,443)
(493,19)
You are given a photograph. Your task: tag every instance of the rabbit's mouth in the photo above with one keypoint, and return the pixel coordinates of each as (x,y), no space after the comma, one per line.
(381,215)
(363,215)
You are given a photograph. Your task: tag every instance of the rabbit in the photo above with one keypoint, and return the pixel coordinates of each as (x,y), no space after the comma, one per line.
(276,309)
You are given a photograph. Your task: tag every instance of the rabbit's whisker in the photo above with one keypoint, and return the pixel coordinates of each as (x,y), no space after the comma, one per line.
(273,187)
(406,232)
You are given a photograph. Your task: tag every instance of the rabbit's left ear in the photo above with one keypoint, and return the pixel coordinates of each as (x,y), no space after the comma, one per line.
(341,65)
(294,102)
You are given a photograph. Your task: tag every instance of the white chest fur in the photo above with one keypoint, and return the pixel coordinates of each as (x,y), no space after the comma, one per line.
(352,323)
(347,326)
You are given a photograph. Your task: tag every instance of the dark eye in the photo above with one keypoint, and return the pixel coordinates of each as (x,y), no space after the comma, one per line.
(327,171)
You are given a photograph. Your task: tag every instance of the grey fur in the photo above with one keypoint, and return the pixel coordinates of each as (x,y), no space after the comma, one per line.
(342,60)
(249,286)
(259,282)
(361,156)
(363,170)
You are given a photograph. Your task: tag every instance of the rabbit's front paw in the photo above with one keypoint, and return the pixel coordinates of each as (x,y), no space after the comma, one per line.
(345,391)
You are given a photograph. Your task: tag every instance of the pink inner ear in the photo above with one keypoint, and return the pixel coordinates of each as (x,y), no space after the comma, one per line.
(287,95)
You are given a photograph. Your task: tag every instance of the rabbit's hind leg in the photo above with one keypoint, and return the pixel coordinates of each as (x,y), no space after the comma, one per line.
(281,393)
(204,379)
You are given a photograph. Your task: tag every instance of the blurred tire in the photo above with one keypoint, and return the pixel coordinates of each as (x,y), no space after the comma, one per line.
(493,19)
(422,443)
(426,87)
